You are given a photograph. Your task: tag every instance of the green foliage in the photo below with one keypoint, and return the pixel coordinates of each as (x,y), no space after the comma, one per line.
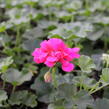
(86,64)
(5,63)
(105,75)
(43,90)
(16,77)
(23,97)
(71,30)
(101,103)
(3,97)
(80,23)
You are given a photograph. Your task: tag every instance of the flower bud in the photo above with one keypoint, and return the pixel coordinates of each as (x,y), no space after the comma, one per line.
(48,77)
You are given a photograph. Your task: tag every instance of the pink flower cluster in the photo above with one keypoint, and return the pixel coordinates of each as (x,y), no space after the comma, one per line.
(55,50)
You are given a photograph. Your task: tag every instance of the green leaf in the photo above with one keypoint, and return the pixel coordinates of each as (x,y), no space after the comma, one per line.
(4,39)
(60,32)
(3,97)
(65,91)
(106,93)
(84,81)
(51,106)
(5,63)
(73,5)
(2,27)
(23,97)
(105,75)
(95,35)
(34,33)
(101,104)
(97,58)
(72,30)
(16,77)
(30,45)
(86,64)
(44,24)
(104,20)
(83,100)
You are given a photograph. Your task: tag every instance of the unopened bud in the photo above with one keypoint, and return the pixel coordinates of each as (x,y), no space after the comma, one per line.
(48,77)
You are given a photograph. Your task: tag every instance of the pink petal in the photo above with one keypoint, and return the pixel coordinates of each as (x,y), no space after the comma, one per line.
(57,44)
(49,64)
(35,51)
(58,55)
(76,50)
(51,59)
(76,55)
(68,67)
(39,55)
(73,52)
(46,46)
(37,60)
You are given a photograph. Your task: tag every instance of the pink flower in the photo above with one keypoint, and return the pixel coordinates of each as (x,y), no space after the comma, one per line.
(55,50)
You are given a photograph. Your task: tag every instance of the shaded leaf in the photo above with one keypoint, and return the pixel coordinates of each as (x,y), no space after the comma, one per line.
(16,77)
(86,64)
(101,104)
(3,97)
(23,97)
(105,75)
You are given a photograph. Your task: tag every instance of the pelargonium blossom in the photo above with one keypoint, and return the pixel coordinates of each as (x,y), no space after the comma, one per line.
(53,51)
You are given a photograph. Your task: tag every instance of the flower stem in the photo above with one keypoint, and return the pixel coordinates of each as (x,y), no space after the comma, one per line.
(99,88)
(18,36)
(86,4)
(4,83)
(13,90)
(54,77)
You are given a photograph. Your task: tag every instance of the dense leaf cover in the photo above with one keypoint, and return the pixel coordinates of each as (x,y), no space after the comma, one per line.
(24,24)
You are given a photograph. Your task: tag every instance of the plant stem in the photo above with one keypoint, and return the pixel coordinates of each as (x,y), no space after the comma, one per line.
(54,77)
(50,15)
(81,80)
(107,64)
(86,4)
(4,83)
(105,44)
(94,87)
(18,36)
(50,70)
(99,88)
(13,90)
